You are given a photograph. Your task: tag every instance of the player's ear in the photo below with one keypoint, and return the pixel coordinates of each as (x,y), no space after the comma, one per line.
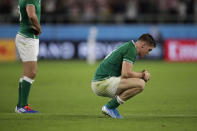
(143,45)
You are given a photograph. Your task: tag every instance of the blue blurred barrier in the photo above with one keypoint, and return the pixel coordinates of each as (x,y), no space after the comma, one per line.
(107,32)
(70,41)
(78,49)
(73,49)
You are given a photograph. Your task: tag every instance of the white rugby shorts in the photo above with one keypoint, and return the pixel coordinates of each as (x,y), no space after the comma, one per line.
(28,48)
(107,87)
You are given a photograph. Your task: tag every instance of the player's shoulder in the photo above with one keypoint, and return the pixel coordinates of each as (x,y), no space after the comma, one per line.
(123,45)
(131,45)
(126,45)
(130,48)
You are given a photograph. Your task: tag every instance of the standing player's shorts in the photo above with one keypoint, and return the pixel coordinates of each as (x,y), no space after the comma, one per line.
(28,48)
(107,87)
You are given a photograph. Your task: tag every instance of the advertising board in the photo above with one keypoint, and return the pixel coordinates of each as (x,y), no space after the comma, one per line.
(180,50)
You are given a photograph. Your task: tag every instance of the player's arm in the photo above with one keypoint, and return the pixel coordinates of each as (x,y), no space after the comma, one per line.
(31,12)
(127,72)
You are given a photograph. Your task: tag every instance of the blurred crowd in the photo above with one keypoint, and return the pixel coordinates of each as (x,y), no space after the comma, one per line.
(108,11)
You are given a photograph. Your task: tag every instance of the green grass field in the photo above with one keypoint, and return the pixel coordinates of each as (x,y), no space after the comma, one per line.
(62,94)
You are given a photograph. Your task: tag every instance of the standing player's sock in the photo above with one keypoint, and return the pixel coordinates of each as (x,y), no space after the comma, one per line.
(19,92)
(114,103)
(26,85)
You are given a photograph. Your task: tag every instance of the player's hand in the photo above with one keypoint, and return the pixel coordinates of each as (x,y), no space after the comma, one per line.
(146,75)
(35,31)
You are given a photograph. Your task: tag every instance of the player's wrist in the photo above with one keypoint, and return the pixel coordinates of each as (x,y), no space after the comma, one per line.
(36,31)
(142,75)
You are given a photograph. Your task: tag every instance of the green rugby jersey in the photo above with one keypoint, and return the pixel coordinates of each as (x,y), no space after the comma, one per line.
(112,64)
(25,24)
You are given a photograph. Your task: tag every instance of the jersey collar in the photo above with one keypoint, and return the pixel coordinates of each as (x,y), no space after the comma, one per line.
(133,42)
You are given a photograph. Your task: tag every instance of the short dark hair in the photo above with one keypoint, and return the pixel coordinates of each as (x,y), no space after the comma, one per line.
(147,38)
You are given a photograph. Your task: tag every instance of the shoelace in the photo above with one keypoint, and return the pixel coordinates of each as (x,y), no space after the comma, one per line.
(28,108)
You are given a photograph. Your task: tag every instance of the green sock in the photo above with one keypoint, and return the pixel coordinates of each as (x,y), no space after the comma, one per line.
(25,89)
(19,93)
(113,104)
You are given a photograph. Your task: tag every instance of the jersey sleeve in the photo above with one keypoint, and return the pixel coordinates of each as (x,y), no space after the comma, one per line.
(130,55)
(30,2)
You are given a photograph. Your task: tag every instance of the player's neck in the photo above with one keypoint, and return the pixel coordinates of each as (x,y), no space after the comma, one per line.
(137,45)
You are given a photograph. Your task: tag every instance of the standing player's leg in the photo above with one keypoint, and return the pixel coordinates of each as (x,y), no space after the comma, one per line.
(29,73)
(28,50)
(30,69)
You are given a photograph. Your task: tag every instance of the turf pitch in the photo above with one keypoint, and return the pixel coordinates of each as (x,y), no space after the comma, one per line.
(63,96)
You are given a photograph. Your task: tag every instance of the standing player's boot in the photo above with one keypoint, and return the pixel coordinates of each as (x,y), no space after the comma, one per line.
(107,111)
(25,109)
(117,114)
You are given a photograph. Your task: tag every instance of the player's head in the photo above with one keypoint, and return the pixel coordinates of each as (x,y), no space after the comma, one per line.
(145,44)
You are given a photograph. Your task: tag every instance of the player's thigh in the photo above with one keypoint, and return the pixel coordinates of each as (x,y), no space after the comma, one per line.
(28,48)
(130,83)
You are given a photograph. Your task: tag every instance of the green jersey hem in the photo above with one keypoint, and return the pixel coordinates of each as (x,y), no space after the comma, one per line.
(27,36)
(95,80)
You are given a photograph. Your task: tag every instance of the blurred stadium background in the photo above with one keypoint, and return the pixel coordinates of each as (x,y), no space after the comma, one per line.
(67,27)
(76,30)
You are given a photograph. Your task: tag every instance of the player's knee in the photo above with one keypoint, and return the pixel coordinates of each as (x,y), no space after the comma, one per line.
(141,84)
(33,74)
